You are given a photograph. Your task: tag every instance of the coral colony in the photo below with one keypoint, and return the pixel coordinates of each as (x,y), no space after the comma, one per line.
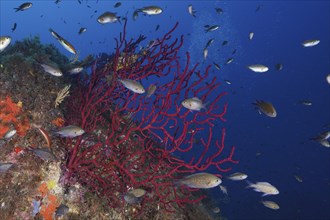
(132,141)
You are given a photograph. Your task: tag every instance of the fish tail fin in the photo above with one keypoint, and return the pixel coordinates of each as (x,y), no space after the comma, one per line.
(54,132)
(256,102)
(249,184)
(177,183)
(205,105)
(17,9)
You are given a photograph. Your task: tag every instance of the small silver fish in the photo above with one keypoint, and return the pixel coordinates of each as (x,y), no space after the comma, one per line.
(324,143)
(323,136)
(328,78)
(298,178)
(230,60)
(258,68)
(205,53)
(191,11)
(44,153)
(9,134)
(5,166)
(63,42)
(151,10)
(251,34)
(305,102)
(271,205)
(132,85)
(24,6)
(76,70)
(216,66)
(310,43)
(200,181)
(131,199)
(223,189)
(82,30)
(209,28)
(53,70)
(216,210)
(70,131)
(209,43)
(151,89)
(193,104)
(135,15)
(4,42)
(227,81)
(138,192)
(108,17)
(264,187)
(238,176)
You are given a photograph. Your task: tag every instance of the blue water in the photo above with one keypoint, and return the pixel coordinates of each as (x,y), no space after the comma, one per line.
(279,27)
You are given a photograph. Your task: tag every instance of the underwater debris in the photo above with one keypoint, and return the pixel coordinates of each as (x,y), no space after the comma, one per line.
(61,95)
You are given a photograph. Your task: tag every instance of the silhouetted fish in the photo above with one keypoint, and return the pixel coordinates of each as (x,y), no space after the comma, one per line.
(14,27)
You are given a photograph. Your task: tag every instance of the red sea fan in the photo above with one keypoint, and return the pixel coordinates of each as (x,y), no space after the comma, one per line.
(134,142)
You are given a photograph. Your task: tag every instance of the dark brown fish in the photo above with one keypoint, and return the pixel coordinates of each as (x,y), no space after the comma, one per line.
(24,6)
(82,30)
(14,27)
(265,107)
(117,5)
(219,10)
(279,66)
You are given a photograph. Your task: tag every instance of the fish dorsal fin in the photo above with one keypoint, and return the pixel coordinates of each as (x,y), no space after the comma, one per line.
(196,99)
(264,183)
